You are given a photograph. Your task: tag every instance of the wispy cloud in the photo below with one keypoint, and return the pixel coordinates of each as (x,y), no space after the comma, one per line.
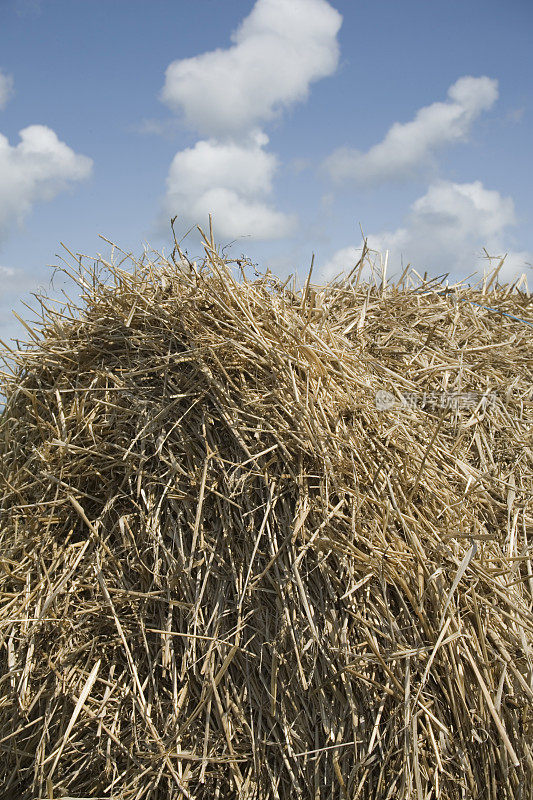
(13,282)
(166,128)
(7,89)
(410,147)
(514,116)
(28,8)
(446,231)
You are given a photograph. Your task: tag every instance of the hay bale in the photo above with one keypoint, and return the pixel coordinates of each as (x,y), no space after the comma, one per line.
(227,573)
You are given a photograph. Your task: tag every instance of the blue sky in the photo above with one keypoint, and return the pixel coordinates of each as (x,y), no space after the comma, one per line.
(294,122)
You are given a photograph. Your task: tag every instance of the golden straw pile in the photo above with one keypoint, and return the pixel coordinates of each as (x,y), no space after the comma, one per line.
(266,543)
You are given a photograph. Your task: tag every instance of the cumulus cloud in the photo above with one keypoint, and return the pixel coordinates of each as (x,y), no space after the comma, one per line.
(226,180)
(446,231)
(409,147)
(36,169)
(6,89)
(278,51)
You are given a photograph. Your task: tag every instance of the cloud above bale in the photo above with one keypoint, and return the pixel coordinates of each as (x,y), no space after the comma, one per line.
(278,51)
(37,169)
(409,147)
(445,231)
(231,181)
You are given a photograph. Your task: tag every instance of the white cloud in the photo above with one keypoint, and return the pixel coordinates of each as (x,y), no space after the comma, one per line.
(278,51)
(446,231)
(226,180)
(6,89)
(409,147)
(36,169)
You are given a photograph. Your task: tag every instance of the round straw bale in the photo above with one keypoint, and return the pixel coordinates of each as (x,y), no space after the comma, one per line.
(227,571)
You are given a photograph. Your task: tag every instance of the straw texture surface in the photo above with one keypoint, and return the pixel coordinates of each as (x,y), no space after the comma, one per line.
(260,542)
